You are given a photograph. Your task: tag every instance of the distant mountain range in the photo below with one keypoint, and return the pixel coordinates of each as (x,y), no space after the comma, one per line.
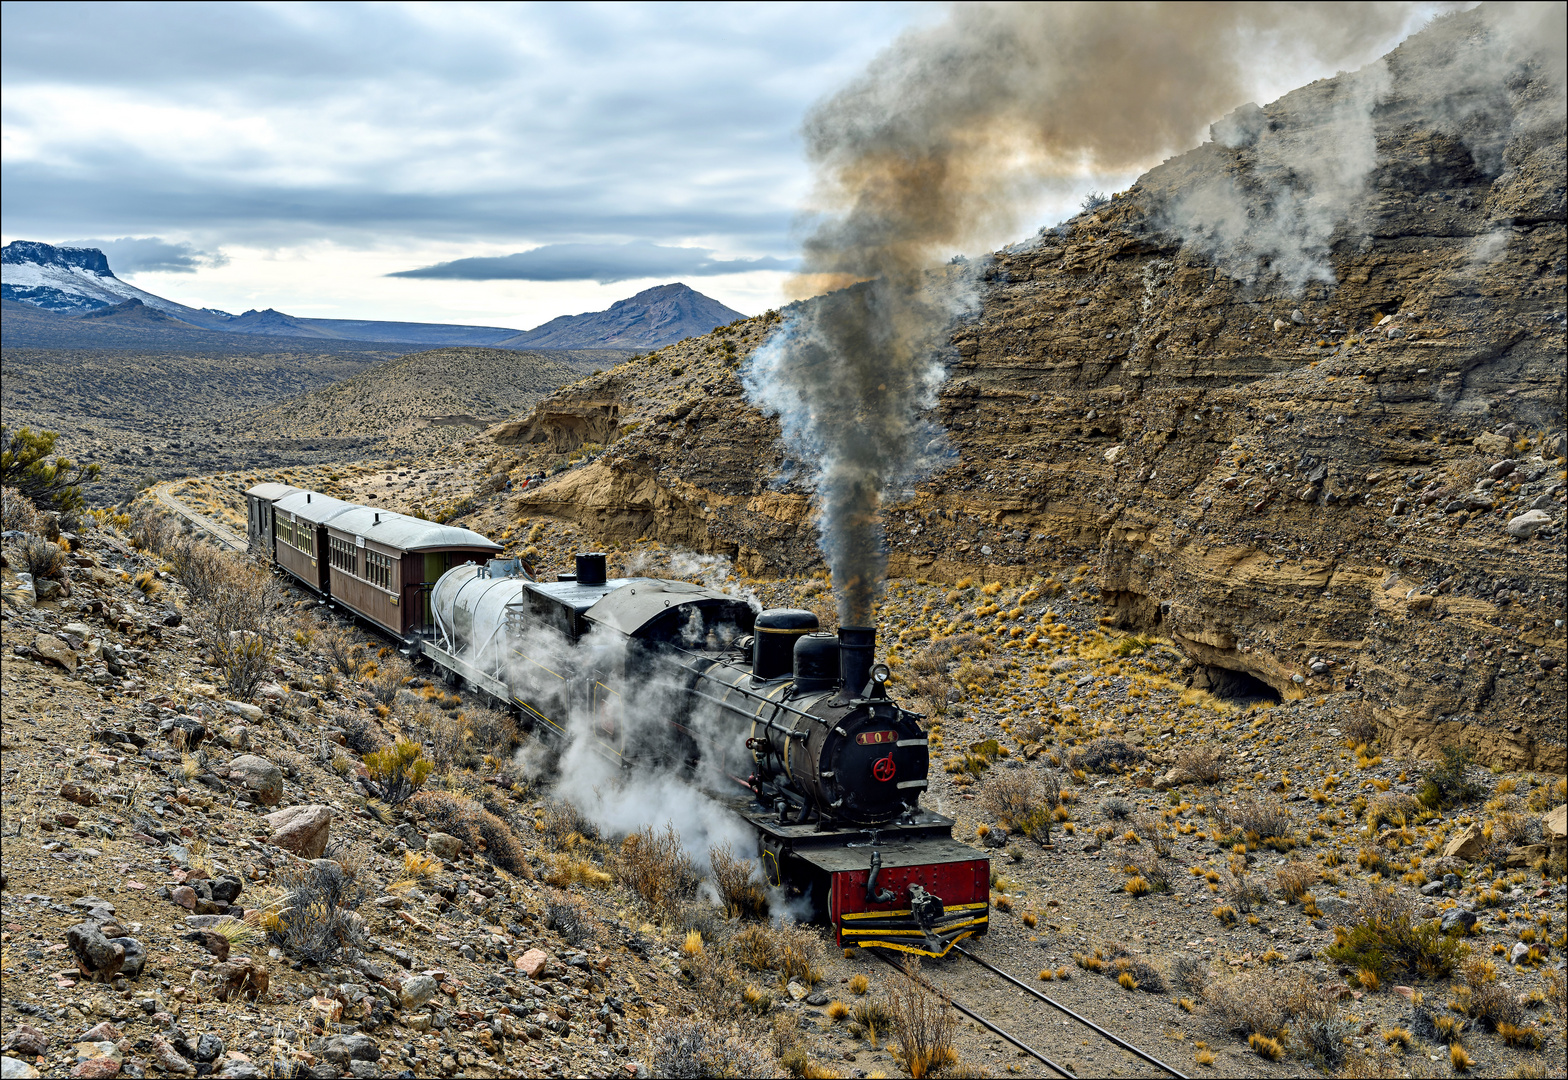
(77,284)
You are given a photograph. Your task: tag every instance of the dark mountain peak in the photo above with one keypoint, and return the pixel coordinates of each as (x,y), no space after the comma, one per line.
(31,251)
(133,311)
(651,319)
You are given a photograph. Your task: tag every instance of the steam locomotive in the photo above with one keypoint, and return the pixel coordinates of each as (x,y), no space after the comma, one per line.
(790,726)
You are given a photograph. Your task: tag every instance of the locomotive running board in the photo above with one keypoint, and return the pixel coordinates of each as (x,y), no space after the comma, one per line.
(488,683)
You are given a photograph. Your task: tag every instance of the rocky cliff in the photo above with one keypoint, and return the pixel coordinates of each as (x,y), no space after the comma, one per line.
(1353,483)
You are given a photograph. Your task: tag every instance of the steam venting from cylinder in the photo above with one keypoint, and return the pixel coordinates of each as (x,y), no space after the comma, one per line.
(950,134)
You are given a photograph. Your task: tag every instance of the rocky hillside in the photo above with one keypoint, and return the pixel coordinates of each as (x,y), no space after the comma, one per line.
(203,879)
(425,400)
(1354,486)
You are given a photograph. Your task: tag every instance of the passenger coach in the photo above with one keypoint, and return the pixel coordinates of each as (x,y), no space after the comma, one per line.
(378,564)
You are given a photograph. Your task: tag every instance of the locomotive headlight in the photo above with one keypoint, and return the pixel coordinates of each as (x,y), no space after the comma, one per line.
(880,673)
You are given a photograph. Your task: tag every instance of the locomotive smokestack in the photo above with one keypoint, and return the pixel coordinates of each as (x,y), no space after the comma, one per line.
(857,647)
(591,568)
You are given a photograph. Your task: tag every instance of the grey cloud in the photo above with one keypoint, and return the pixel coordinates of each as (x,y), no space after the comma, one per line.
(604,263)
(510,124)
(137,254)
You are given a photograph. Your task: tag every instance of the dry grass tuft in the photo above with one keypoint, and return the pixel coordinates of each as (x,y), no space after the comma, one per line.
(655,866)
(924,1024)
(740,893)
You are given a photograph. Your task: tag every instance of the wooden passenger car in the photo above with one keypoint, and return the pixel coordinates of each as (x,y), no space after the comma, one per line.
(300,537)
(381,564)
(259,502)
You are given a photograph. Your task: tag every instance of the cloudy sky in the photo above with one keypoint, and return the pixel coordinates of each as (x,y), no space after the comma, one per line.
(478,163)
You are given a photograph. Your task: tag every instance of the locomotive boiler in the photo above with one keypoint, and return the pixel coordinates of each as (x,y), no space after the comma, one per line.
(793,728)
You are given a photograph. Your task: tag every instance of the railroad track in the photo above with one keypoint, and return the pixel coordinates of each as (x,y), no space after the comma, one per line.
(224,536)
(1060,1070)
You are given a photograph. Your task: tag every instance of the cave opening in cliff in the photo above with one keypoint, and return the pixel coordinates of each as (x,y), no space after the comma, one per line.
(1240,688)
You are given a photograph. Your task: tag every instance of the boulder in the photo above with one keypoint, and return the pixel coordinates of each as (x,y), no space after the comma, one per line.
(135,956)
(532,963)
(56,651)
(302,830)
(245,709)
(209,1047)
(16,1069)
(1554,825)
(168,1058)
(1465,845)
(341,1049)
(417,990)
(96,956)
(26,1040)
(444,847)
(242,977)
(262,780)
(1457,921)
(1524,526)
(80,794)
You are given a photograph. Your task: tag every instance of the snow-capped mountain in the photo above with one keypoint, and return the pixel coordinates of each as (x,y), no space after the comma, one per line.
(76,279)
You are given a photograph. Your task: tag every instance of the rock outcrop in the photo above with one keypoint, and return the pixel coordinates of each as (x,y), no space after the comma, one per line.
(1308,487)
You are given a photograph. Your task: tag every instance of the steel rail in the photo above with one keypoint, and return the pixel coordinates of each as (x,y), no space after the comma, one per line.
(977,1018)
(1124,1044)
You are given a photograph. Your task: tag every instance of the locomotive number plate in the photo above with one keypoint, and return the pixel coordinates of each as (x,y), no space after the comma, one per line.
(872,738)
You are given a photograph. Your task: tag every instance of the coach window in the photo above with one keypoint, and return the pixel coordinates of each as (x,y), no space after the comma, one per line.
(343,555)
(285,530)
(305,537)
(378,569)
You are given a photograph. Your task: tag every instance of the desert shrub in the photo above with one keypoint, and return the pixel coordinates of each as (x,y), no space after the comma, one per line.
(1241,891)
(17,512)
(494,730)
(462,817)
(694,1049)
(1295,878)
(389,676)
(654,865)
(151,529)
(314,917)
(1190,973)
(40,558)
(570,917)
(755,947)
(562,825)
(1360,729)
(448,736)
(344,654)
(735,880)
(567,869)
(201,568)
(401,769)
(1200,764)
(1116,808)
(1107,755)
(1147,865)
(1023,802)
(923,1024)
(800,953)
(1144,975)
(29,465)
(1392,807)
(1447,782)
(1248,1005)
(241,626)
(1258,818)
(360,734)
(1152,829)
(1390,939)
(872,1016)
